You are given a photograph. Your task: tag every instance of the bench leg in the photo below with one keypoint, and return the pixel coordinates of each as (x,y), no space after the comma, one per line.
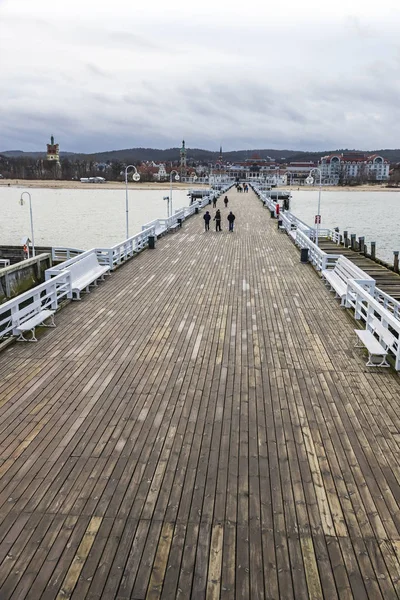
(383,362)
(51,324)
(21,337)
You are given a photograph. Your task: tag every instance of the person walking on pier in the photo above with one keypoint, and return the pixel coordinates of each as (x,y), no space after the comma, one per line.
(217,220)
(231,218)
(207,219)
(214,203)
(226,201)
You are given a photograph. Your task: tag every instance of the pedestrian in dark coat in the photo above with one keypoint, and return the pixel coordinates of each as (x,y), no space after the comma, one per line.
(207,219)
(231,218)
(214,202)
(217,220)
(226,201)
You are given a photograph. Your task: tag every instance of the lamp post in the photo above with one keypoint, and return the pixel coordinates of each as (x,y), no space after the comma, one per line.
(30,211)
(310,180)
(135,177)
(170,187)
(167,199)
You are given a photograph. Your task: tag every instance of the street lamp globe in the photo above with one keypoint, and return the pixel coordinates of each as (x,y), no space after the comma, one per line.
(136,177)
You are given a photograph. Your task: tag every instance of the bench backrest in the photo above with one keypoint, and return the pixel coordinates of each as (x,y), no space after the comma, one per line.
(27,312)
(345,269)
(81,267)
(385,336)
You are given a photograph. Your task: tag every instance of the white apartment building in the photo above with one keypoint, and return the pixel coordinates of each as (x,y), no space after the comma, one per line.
(336,168)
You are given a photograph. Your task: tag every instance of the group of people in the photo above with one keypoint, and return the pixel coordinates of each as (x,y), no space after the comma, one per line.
(207,217)
(245,188)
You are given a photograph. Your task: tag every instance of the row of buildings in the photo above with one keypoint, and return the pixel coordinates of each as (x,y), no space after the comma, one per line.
(334,169)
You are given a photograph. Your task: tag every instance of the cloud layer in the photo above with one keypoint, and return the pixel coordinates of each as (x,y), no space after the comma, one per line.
(102,76)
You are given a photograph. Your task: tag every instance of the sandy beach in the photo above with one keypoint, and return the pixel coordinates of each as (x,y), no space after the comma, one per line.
(109,185)
(115,185)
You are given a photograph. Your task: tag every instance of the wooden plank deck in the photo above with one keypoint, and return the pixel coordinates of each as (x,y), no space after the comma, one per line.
(200,426)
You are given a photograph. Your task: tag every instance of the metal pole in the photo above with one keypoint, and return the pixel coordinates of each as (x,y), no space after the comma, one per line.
(126,203)
(33,237)
(170,194)
(319,206)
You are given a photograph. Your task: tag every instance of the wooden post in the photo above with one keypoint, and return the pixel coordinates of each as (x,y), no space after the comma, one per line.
(396,260)
(361,244)
(373,250)
(345,239)
(365,250)
(353,241)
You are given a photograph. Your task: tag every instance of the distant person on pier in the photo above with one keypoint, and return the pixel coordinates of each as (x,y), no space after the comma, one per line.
(217,220)
(207,219)
(226,201)
(214,203)
(231,218)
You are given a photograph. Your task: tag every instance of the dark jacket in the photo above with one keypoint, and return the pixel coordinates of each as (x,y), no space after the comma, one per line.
(217,216)
(231,217)
(207,217)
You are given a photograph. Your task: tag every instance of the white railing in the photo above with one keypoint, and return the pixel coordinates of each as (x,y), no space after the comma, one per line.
(125,250)
(387,302)
(4,262)
(64,253)
(45,295)
(56,269)
(320,259)
(367,308)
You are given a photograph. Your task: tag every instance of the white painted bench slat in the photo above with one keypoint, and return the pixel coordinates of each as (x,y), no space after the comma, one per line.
(343,271)
(85,272)
(30,324)
(376,348)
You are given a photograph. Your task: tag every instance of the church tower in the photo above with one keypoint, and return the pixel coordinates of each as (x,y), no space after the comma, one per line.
(183,156)
(220,155)
(53,151)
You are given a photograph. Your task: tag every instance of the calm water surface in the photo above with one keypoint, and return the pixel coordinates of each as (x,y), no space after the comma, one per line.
(80,218)
(96,217)
(374,215)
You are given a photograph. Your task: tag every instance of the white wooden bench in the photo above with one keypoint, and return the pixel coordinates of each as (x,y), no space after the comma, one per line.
(338,277)
(84,273)
(377,348)
(33,317)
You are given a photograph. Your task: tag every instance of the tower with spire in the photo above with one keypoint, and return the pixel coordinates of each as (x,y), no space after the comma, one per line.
(220,155)
(183,155)
(53,151)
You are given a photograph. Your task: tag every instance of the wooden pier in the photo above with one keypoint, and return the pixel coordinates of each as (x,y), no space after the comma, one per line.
(200,426)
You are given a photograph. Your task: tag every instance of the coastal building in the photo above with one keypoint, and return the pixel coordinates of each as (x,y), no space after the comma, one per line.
(53,151)
(353,167)
(255,168)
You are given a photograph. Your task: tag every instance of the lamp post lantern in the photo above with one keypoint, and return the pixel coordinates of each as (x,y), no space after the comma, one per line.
(310,180)
(30,212)
(170,187)
(135,177)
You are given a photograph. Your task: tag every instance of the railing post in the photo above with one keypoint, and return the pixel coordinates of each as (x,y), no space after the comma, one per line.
(361,244)
(353,241)
(396,260)
(346,239)
(373,250)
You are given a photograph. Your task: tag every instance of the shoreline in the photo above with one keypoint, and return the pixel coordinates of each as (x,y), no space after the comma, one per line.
(120,185)
(108,185)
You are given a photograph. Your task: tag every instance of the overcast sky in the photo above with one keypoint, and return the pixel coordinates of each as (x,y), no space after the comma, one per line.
(103,75)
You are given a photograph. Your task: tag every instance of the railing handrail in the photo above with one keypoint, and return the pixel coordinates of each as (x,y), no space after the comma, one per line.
(45,295)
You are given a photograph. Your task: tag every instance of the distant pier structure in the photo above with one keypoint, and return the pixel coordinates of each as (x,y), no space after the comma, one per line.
(53,151)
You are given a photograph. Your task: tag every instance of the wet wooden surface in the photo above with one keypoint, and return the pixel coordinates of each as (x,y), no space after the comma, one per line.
(200,426)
